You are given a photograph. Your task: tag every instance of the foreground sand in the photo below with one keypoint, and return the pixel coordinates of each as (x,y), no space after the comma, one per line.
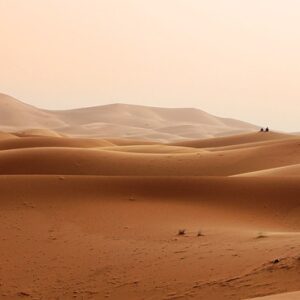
(99,235)
(285,296)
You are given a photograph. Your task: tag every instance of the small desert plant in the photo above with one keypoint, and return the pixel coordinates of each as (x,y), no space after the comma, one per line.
(181,232)
(261,235)
(200,233)
(275,261)
(131,198)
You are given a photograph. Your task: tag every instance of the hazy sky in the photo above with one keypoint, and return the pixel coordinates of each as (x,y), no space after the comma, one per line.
(235,58)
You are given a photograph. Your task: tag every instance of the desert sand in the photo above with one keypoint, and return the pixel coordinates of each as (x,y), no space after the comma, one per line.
(135,122)
(85,218)
(284,296)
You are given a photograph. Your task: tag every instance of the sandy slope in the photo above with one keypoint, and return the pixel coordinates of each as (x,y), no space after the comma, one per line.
(284,296)
(293,170)
(235,140)
(103,237)
(16,115)
(159,149)
(6,135)
(38,132)
(117,120)
(58,156)
(47,142)
(99,219)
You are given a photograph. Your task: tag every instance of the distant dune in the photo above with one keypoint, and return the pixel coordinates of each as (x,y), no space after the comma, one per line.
(119,120)
(234,140)
(121,216)
(16,115)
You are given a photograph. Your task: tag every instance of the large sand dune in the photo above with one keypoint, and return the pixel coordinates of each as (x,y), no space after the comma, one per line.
(69,156)
(107,237)
(118,120)
(99,218)
(15,115)
(235,140)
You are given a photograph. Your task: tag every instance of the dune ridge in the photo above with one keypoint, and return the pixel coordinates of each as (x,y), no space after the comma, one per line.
(69,156)
(117,121)
(235,140)
(293,170)
(95,218)
(283,296)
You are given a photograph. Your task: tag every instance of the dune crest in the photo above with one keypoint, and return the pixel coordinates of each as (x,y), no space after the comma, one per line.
(284,296)
(95,218)
(235,140)
(118,121)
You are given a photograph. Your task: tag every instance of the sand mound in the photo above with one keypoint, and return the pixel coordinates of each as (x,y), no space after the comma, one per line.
(119,120)
(130,142)
(159,149)
(121,204)
(15,115)
(145,117)
(6,135)
(293,170)
(164,161)
(234,140)
(38,132)
(285,296)
(44,142)
(134,121)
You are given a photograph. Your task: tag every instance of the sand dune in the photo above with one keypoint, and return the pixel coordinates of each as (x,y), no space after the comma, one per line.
(38,132)
(6,135)
(118,121)
(284,296)
(234,140)
(97,218)
(145,117)
(119,259)
(44,142)
(293,170)
(130,142)
(158,148)
(16,115)
(72,156)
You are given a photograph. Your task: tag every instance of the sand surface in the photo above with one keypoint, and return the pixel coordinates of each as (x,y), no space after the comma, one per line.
(99,218)
(285,296)
(117,121)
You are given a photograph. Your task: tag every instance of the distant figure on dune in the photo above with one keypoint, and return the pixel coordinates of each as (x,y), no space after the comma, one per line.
(265,130)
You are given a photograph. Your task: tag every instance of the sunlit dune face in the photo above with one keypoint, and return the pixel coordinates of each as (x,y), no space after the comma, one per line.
(219,217)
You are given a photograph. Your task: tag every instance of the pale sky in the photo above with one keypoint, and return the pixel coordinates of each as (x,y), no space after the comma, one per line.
(232,58)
